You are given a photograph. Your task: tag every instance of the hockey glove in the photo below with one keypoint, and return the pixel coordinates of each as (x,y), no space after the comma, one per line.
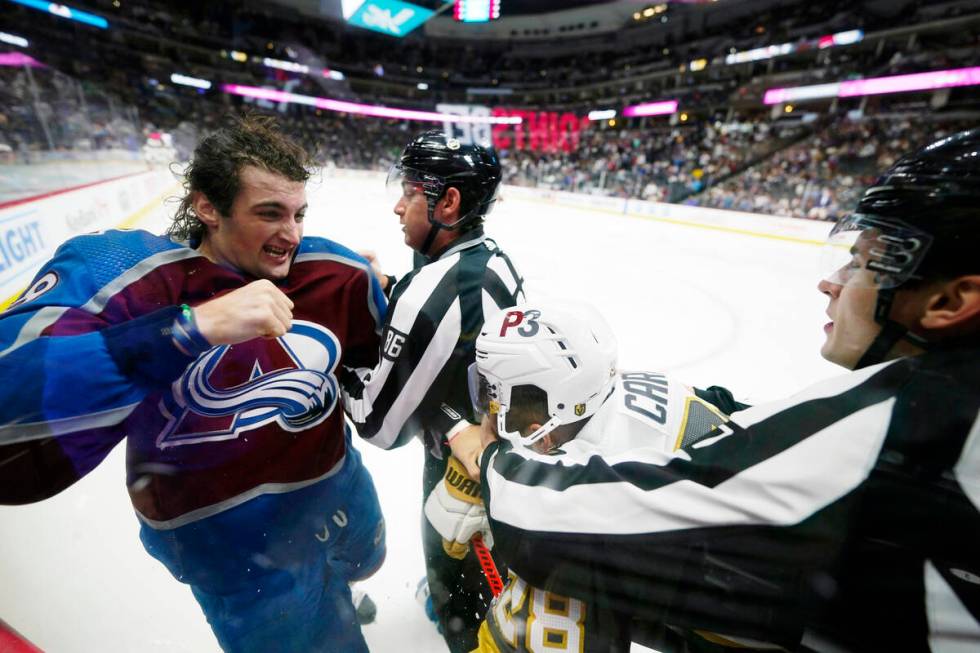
(455,510)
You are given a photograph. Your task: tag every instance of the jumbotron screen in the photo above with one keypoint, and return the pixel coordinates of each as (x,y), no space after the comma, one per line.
(476,11)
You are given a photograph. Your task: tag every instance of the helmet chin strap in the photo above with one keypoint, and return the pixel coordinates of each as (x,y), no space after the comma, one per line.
(435,227)
(891,332)
(528,440)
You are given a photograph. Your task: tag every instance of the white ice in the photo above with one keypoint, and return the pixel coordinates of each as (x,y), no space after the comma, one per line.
(712,307)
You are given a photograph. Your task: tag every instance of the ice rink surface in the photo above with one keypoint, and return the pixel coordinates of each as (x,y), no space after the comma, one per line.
(709,306)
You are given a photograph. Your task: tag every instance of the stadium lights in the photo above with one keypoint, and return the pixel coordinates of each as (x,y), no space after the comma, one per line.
(662,108)
(422,86)
(185,80)
(19,59)
(362,109)
(65,11)
(760,54)
(290,66)
(235,55)
(649,12)
(877,85)
(12,39)
(280,64)
(801,93)
(602,114)
(841,38)
(849,37)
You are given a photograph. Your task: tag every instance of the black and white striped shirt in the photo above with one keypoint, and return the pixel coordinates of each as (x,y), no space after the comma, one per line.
(846,517)
(428,341)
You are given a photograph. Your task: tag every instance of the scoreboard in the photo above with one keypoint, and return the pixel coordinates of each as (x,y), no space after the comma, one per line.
(476,11)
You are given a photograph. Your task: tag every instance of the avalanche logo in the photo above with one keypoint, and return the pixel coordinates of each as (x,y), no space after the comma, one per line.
(233,389)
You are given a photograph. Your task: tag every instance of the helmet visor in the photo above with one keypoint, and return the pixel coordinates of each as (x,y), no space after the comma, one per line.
(400,185)
(408,183)
(490,203)
(870,252)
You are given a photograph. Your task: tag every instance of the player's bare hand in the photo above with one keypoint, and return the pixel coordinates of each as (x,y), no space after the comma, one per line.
(258,310)
(372,258)
(467,448)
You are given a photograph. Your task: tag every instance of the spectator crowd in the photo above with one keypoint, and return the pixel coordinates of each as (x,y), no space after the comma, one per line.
(807,168)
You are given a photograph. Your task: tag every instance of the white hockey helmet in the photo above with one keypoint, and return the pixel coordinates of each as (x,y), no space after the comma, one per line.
(564,349)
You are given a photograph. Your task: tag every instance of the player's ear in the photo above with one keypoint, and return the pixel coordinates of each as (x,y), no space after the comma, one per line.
(451,201)
(954,306)
(544,444)
(531,428)
(205,211)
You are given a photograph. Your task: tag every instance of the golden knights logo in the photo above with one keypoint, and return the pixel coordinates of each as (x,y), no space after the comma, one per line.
(579,410)
(233,389)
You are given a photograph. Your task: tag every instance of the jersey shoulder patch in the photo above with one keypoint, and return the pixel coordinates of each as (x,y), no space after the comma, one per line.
(668,406)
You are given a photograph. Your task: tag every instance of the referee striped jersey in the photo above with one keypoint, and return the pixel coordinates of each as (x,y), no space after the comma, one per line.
(428,342)
(846,518)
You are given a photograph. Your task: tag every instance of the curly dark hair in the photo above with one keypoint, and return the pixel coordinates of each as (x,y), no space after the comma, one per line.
(250,140)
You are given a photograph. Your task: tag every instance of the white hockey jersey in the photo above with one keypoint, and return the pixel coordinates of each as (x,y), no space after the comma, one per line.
(647,410)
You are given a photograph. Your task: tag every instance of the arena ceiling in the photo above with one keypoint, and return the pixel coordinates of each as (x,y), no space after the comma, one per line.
(331,9)
(565,20)
(522,13)
(528,7)
(557,18)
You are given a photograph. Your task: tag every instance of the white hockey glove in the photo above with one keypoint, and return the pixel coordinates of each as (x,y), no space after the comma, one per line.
(455,510)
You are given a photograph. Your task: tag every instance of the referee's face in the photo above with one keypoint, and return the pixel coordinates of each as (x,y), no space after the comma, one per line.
(412,210)
(413,213)
(852,328)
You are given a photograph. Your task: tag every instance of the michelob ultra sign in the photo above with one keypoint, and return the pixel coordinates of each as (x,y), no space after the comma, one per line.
(391,17)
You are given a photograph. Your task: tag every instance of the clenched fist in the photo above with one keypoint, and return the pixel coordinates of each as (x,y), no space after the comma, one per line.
(455,509)
(258,310)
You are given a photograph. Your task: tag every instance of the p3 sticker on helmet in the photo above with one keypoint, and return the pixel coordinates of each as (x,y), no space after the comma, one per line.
(514,319)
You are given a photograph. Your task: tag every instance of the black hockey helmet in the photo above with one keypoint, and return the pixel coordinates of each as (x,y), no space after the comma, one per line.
(936,190)
(919,220)
(437,163)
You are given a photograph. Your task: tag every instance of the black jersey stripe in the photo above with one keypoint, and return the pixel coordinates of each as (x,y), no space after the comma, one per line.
(497,289)
(417,341)
(710,465)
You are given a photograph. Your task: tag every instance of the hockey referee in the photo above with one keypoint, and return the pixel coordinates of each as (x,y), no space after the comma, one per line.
(845,518)
(445,189)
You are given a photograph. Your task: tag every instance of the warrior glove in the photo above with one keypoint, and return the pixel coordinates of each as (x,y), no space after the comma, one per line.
(455,510)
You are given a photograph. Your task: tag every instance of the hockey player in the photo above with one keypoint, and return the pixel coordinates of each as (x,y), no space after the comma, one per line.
(844,518)
(445,189)
(213,354)
(545,375)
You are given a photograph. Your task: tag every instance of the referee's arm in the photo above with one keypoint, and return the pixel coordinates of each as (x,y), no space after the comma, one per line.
(387,404)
